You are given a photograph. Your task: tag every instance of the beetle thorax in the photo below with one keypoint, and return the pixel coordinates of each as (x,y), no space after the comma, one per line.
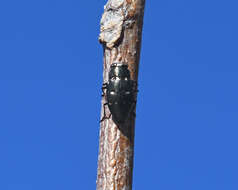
(119,71)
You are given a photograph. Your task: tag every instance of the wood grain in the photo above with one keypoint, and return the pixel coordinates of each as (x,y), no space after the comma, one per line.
(120,35)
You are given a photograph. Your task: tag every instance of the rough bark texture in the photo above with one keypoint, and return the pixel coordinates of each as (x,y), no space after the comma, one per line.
(121,27)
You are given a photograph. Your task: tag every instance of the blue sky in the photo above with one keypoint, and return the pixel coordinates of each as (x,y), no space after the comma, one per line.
(50,81)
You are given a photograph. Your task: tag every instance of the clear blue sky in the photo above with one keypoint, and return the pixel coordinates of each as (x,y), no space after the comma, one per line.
(50,80)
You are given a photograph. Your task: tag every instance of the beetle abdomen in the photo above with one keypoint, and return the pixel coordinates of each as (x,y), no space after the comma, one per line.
(120,97)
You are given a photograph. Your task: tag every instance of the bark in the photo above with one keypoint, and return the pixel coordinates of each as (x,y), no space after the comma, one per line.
(121,28)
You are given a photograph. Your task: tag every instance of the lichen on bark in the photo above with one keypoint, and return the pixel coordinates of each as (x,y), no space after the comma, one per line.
(117,15)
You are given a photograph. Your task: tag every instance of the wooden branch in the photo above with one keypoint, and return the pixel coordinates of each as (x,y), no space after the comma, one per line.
(121,28)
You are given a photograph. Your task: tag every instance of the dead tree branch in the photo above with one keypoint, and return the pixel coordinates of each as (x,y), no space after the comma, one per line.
(120,34)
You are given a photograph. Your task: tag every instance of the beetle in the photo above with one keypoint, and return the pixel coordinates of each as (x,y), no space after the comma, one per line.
(120,93)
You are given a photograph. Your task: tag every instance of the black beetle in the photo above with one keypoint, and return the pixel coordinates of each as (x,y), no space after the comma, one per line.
(120,93)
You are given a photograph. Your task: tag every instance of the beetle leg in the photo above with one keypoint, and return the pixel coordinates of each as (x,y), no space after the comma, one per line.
(133,110)
(104,86)
(104,113)
(136,86)
(103,93)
